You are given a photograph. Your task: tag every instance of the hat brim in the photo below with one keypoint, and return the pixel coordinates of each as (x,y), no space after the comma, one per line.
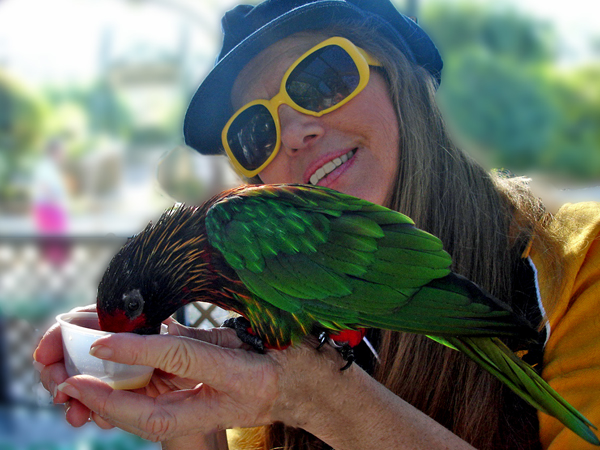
(210,107)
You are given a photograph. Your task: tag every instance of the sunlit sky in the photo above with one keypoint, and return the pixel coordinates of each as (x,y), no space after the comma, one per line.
(60,40)
(577,22)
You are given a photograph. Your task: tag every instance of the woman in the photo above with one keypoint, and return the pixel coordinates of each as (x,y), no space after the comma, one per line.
(374,133)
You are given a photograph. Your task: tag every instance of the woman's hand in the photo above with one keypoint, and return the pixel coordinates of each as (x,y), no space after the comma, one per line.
(208,381)
(203,386)
(177,355)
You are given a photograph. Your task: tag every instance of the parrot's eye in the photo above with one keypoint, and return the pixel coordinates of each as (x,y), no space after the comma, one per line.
(133,303)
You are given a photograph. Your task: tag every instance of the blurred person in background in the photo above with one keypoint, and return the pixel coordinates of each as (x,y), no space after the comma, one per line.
(50,202)
(393,149)
(49,192)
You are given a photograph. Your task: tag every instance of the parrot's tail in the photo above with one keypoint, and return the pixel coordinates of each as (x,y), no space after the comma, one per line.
(495,357)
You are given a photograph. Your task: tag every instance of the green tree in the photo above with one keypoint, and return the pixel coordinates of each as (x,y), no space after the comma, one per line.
(496,92)
(459,27)
(574,150)
(503,94)
(22,125)
(498,109)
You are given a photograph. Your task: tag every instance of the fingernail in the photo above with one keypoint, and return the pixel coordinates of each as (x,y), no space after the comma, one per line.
(102,352)
(69,389)
(38,366)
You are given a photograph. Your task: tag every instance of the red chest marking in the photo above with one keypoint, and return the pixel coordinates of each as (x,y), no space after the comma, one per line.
(351,337)
(119,322)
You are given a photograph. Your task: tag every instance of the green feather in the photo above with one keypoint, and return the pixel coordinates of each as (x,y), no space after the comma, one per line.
(263,289)
(353,241)
(494,356)
(411,238)
(346,265)
(357,224)
(315,282)
(433,260)
(350,255)
(386,216)
(409,271)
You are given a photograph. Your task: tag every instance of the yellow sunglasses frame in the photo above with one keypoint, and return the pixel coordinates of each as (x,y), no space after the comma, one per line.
(360,57)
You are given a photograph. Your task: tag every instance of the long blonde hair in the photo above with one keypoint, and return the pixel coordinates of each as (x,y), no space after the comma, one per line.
(485,222)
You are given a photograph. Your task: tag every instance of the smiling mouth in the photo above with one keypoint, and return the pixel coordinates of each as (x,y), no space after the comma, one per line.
(329,167)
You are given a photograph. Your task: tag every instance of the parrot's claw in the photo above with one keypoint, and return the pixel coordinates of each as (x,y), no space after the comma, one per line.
(322,339)
(344,349)
(243,329)
(347,353)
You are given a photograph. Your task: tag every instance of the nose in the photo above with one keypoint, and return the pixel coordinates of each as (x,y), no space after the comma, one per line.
(298,130)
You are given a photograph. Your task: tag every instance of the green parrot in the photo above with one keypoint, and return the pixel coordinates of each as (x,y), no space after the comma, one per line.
(294,260)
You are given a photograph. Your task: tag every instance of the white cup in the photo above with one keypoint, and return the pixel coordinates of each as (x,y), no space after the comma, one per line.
(79,331)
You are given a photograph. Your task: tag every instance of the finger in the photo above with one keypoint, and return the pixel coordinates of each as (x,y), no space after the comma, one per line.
(51,376)
(153,419)
(165,382)
(77,414)
(170,320)
(187,358)
(101,422)
(87,308)
(49,349)
(223,337)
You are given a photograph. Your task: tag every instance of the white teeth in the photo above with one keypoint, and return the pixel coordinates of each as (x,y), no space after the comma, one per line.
(330,167)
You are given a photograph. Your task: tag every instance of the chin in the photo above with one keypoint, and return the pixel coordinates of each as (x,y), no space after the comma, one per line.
(371,195)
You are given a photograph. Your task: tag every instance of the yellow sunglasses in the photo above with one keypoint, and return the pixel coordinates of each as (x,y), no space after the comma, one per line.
(322,80)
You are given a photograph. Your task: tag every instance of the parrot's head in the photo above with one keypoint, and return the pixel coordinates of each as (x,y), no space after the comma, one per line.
(155,273)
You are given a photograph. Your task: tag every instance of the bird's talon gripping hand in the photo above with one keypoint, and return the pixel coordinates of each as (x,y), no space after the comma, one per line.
(344,342)
(243,329)
(344,348)
(347,353)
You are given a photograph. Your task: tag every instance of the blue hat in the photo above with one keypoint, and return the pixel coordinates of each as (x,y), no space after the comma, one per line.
(247,30)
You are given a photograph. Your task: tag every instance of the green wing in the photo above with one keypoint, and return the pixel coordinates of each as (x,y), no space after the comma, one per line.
(318,255)
(346,263)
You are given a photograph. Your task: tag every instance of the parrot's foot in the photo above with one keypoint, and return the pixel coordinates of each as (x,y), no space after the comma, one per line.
(347,353)
(243,329)
(345,349)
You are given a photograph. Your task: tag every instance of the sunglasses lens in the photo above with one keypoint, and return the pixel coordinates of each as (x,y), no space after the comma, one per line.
(323,79)
(252,137)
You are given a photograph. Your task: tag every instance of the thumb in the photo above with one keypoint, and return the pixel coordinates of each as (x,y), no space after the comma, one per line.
(223,337)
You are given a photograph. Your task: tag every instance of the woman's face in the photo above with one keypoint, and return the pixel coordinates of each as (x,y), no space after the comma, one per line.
(365,130)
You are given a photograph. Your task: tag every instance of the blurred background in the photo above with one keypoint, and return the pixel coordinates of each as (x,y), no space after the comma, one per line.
(92,96)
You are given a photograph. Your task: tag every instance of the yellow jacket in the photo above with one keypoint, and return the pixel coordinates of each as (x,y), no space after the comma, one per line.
(572,353)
